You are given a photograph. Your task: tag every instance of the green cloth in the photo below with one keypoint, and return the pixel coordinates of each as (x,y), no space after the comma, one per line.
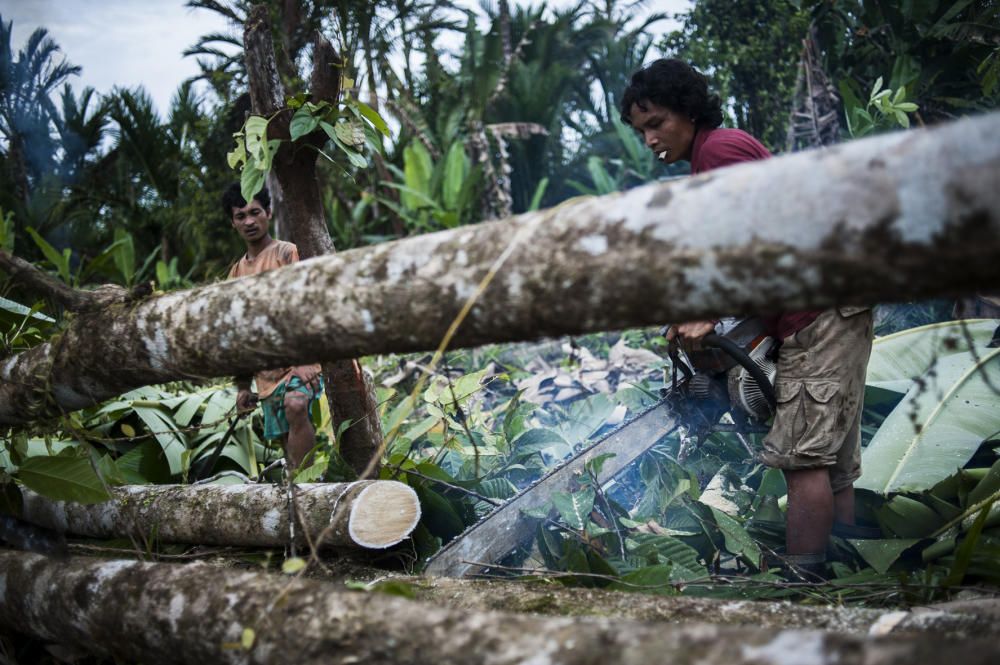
(275,423)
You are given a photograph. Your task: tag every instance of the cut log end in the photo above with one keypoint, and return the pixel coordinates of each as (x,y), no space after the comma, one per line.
(383,514)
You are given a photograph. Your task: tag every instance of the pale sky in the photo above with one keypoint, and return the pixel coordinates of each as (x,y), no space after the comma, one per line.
(132,42)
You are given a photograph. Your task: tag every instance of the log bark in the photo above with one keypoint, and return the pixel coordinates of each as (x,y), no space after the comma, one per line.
(350,399)
(901,216)
(163,613)
(367,514)
(550,598)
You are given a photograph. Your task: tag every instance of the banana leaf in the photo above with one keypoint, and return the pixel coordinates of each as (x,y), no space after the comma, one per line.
(899,358)
(938,426)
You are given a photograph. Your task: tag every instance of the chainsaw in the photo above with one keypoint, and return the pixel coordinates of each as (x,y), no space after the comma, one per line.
(733,374)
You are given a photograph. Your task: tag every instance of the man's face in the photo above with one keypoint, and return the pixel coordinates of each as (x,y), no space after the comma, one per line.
(251,221)
(667,133)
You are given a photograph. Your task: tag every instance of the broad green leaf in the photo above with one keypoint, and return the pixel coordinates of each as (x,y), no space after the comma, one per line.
(417,169)
(124,254)
(535,440)
(189,408)
(574,507)
(252,180)
(938,426)
(59,260)
(350,132)
(400,413)
(649,579)
(372,116)
(738,541)
(497,488)
(439,515)
(898,359)
(22,311)
(466,385)
(237,155)
(907,518)
(144,464)
(881,554)
(164,429)
(668,549)
(63,478)
(255,131)
(303,122)
(456,166)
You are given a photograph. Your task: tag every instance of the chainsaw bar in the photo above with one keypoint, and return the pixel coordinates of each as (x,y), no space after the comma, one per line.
(503,530)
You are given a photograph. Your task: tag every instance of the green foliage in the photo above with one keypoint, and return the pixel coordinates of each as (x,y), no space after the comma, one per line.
(884,110)
(942,53)
(947,413)
(750,51)
(350,126)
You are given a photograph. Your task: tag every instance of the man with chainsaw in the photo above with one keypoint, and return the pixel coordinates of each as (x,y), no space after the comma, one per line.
(285,393)
(816,436)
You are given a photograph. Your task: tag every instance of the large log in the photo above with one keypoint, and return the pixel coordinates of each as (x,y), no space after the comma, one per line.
(367,514)
(906,215)
(163,613)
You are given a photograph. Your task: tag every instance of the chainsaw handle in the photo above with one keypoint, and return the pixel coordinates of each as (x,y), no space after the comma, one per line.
(740,356)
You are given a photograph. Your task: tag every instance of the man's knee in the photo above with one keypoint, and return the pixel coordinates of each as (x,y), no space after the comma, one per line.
(296,409)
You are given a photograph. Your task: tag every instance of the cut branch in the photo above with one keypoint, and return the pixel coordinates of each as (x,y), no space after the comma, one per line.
(75,300)
(901,216)
(166,613)
(367,514)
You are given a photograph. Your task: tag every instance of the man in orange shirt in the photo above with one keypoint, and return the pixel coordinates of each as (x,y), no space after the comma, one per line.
(286,393)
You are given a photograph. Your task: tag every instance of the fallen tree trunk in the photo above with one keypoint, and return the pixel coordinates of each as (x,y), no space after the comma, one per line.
(368,514)
(553,599)
(163,613)
(900,216)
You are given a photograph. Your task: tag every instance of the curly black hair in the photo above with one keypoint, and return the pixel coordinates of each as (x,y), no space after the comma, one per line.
(233,198)
(676,85)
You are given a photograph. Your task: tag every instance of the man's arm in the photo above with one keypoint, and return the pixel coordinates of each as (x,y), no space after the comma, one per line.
(246,400)
(691,333)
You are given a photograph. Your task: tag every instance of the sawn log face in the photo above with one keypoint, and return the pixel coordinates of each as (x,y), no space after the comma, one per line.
(240,515)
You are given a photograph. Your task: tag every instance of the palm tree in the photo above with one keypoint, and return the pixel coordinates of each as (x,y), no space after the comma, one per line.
(27,113)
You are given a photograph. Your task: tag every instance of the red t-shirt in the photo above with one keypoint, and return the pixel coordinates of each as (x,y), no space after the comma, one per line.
(715,148)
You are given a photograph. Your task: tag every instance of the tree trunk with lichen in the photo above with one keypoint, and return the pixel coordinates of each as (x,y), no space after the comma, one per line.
(367,514)
(351,399)
(901,216)
(164,613)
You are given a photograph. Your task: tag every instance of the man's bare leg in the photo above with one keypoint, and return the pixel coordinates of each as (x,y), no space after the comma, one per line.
(301,434)
(810,511)
(843,505)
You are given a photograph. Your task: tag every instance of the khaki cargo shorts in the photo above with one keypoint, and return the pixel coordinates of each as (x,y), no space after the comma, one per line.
(820,387)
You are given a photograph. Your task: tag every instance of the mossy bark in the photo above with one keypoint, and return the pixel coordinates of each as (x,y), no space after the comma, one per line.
(901,216)
(163,613)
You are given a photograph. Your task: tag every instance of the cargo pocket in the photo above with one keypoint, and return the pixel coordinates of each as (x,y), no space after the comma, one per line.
(821,405)
(805,422)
